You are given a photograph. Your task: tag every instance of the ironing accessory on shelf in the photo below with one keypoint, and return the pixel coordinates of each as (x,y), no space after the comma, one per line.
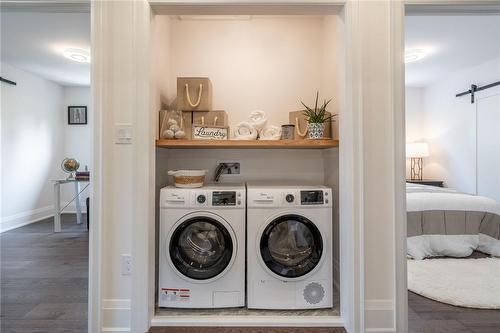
(270,132)
(200,91)
(245,131)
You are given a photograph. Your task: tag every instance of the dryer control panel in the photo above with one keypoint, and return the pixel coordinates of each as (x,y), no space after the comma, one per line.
(304,197)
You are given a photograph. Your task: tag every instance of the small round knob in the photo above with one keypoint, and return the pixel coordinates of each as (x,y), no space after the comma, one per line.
(201,198)
(289,198)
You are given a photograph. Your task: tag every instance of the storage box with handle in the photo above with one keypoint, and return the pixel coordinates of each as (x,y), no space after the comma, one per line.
(194,94)
(217,118)
(183,119)
(212,125)
(298,119)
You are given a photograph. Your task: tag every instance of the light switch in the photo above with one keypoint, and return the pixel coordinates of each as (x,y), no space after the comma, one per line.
(123,134)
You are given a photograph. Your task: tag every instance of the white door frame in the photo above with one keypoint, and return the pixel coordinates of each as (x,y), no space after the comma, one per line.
(415,8)
(351,152)
(351,168)
(83,6)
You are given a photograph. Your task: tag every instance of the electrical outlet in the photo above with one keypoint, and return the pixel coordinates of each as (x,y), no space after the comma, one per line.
(126,264)
(233,167)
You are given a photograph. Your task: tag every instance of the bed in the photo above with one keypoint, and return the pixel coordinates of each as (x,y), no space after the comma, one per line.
(444,222)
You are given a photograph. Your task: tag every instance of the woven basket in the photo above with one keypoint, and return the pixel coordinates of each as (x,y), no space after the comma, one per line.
(188,178)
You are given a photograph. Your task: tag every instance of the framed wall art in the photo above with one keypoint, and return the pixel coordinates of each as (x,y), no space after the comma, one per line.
(77,115)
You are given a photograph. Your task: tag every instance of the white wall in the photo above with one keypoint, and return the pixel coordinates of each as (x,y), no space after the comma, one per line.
(32,145)
(450,126)
(35,139)
(414,114)
(77,138)
(414,110)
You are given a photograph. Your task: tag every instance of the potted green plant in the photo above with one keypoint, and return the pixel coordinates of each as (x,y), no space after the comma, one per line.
(316,118)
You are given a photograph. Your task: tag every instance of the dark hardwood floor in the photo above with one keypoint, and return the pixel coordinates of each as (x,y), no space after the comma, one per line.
(244,330)
(44,278)
(44,289)
(425,315)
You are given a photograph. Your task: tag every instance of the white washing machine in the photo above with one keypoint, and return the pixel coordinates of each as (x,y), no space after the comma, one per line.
(202,247)
(289,249)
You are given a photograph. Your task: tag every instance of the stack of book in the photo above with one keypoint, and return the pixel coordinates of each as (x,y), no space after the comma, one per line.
(82,175)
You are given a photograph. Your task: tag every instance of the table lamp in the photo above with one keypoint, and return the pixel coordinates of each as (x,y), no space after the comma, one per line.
(416,151)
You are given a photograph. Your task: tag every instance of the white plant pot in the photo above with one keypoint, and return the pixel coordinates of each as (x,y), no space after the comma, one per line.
(316,130)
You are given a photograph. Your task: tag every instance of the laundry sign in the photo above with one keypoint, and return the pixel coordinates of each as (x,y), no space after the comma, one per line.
(203,132)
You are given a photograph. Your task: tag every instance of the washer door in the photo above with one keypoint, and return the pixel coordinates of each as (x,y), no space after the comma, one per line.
(291,246)
(201,248)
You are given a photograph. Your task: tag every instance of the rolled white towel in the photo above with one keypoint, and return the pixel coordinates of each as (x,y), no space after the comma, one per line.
(258,119)
(270,132)
(245,131)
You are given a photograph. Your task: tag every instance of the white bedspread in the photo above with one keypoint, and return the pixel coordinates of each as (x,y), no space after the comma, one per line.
(429,198)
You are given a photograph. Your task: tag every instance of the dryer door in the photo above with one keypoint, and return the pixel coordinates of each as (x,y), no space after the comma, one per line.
(291,246)
(201,248)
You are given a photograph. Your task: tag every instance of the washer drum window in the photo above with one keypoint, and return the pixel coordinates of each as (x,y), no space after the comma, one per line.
(201,248)
(291,246)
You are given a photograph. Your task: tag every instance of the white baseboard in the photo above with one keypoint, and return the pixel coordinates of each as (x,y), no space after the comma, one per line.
(116,315)
(24,218)
(379,316)
(248,321)
(115,329)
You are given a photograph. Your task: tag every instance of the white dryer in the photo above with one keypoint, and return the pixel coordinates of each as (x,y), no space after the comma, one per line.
(202,247)
(289,233)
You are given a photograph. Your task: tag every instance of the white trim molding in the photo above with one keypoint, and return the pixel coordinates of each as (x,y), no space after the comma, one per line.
(115,315)
(351,177)
(379,316)
(24,218)
(248,321)
(36,215)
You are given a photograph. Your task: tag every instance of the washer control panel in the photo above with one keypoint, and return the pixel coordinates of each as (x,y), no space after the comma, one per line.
(314,197)
(203,197)
(224,198)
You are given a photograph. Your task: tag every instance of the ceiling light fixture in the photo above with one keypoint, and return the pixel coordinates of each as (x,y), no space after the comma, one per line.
(414,55)
(78,55)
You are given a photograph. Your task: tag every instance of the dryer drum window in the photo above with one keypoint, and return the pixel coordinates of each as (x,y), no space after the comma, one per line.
(201,248)
(291,246)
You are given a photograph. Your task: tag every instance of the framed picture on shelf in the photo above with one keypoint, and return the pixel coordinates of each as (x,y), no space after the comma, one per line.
(77,115)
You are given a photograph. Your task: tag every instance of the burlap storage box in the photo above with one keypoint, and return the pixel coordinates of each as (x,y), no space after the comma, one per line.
(298,119)
(186,123)
(194,94)
(218,118)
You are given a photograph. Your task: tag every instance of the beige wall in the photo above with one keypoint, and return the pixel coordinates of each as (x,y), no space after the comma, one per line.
(254,62)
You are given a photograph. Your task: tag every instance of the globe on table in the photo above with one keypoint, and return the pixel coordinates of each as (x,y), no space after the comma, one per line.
(70,165)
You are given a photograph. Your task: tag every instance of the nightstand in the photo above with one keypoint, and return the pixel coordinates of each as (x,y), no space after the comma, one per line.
(438,183)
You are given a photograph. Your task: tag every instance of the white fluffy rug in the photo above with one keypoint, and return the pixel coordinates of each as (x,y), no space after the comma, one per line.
(472,283)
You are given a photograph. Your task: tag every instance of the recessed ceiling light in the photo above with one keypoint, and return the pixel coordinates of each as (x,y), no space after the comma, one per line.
(414,55)
(78,55)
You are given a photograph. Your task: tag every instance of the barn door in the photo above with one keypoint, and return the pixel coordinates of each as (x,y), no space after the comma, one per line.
(488,144)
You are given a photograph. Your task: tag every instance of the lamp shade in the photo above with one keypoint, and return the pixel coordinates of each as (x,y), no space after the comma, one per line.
(417,149)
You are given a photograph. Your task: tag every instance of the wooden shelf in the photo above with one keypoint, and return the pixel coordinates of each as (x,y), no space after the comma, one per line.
(244,144)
